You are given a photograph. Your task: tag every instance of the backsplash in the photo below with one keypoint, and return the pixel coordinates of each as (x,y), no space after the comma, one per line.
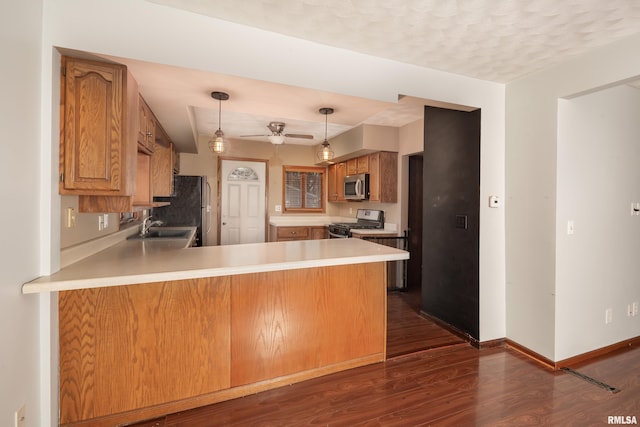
(84,226)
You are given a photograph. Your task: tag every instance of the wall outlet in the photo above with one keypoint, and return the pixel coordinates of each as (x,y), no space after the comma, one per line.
(278,208)
(100,222)
(20,417)
(634,308)
(71,218)
(608,316)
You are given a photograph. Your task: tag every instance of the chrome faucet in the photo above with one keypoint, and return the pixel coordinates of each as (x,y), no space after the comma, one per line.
(147,224)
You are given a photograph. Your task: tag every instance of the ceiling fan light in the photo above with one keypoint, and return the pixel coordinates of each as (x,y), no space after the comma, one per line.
(276,139)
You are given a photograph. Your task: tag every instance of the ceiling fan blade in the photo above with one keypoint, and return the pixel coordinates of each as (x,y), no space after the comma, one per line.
(297,135)
(249,136)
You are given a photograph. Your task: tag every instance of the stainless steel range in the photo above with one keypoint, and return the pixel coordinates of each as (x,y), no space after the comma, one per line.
(366,218)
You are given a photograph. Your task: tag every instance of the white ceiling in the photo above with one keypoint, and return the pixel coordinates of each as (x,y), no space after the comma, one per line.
(495,40)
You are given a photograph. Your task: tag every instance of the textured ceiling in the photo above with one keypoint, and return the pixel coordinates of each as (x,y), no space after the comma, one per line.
(496,40)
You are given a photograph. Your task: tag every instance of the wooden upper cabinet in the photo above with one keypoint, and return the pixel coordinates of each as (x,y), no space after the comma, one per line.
(336,174)
(144,181)
(146,127)
(382,168)
(176,160)
(383,177)
(352,166)
(162,163)
(362,164)
(358,165)
(96,156)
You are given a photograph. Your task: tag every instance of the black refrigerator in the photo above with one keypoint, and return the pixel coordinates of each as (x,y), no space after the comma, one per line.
(189,206)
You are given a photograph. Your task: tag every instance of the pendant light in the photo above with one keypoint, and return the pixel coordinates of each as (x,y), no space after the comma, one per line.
(217,143)
(326,152)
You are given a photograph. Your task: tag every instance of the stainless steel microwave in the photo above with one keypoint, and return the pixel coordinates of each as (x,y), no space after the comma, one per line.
(356,187)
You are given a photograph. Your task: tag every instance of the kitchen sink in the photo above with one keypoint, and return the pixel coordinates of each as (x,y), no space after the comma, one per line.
(164,233)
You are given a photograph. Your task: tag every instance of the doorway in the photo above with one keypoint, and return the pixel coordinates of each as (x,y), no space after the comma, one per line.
(242,190)
(408,329)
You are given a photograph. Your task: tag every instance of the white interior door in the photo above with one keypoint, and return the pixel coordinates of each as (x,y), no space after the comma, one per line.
(242,204)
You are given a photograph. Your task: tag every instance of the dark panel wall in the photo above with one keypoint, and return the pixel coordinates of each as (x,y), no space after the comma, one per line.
(451,218)
(414,217)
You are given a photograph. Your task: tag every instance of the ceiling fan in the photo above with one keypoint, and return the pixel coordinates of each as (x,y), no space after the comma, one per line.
(277,136)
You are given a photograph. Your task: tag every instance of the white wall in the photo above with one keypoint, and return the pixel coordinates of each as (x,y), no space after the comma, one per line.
(20,169)
(598,178)
(531,177)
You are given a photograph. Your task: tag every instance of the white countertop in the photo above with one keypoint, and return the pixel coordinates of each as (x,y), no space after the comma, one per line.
(140,261)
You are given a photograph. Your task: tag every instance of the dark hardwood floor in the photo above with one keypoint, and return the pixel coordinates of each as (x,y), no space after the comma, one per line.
(408,331)
(453,386)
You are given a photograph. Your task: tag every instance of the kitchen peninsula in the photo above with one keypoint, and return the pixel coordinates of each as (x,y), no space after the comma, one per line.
(147,329)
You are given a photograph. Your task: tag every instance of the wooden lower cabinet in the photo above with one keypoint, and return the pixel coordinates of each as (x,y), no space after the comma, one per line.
(286,233)
(131,347)
(305,314)
(318,233)
(136,352)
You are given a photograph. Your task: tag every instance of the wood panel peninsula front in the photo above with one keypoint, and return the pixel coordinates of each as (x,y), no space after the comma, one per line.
(146,329)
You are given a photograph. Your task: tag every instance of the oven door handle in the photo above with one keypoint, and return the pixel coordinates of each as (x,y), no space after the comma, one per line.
(337,236)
